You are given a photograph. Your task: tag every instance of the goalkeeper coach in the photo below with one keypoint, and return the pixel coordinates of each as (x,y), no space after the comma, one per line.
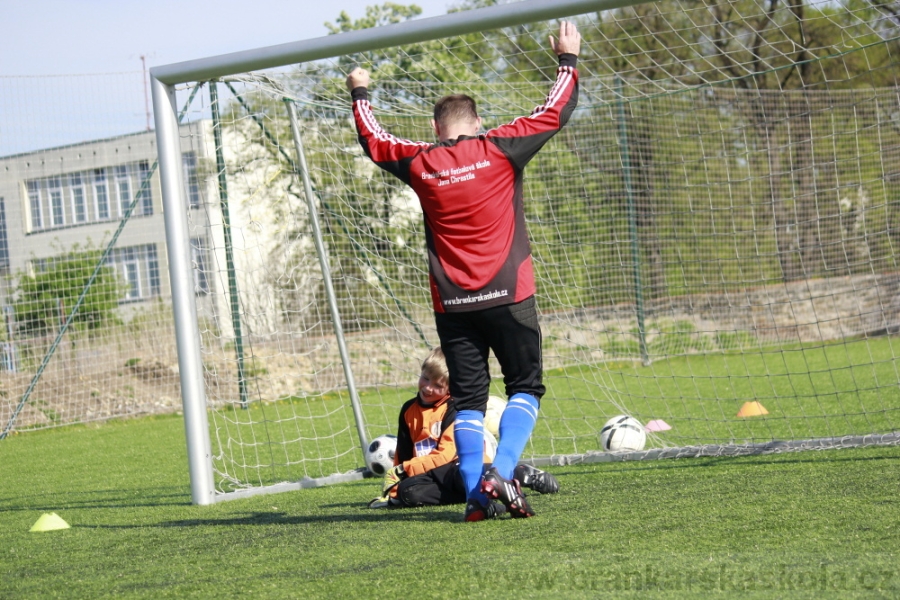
(479,259)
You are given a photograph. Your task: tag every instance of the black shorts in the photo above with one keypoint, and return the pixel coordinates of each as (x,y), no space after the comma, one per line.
(511,331)
(441,485)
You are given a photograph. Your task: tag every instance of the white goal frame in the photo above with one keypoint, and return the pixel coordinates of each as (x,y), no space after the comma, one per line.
(163,80)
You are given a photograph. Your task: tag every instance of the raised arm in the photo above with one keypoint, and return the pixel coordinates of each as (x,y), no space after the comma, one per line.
(525,136)
(387,151)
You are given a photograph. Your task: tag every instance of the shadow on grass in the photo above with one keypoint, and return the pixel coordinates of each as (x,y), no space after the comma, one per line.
(118,498)
(281,518)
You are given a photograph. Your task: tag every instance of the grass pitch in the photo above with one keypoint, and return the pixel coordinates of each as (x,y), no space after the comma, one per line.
(801,525)
(817,391)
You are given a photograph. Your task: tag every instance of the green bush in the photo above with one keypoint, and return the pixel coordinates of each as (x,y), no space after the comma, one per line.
(44,300)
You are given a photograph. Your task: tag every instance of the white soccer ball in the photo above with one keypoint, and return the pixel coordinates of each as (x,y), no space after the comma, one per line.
(492,414)
(623,434)
(380,454)
(490,445)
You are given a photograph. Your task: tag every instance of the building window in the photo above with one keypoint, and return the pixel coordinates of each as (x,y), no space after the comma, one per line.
(132,277)
(144,188)
(76,195)
(55,193)
(34,200)
(101,195)
(123,188)
(198,258)
(152,270)
(191,180)
(4,240)
(139,268)
(89,196)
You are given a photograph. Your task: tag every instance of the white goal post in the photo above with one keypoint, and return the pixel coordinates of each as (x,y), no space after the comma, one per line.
(714,234)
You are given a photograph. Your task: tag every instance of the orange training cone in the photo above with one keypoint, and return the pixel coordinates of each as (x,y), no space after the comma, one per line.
(752,409)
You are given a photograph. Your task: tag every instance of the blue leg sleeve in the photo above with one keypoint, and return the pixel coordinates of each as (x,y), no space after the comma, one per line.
(469,434)
(516,425)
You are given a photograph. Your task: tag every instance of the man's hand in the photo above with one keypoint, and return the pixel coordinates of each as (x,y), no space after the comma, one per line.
(569,39)
(392,478)
(359,77)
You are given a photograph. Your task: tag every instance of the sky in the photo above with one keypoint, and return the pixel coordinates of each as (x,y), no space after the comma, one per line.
(68,37)
(57,57)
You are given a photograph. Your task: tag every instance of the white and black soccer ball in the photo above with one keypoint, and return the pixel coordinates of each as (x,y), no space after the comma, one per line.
(380,454)
(623,434)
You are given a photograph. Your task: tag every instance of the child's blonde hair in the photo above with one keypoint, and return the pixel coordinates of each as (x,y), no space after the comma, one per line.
(435,365)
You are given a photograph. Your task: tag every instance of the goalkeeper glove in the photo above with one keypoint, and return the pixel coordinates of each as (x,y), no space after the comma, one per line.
(382,502)
(393,476)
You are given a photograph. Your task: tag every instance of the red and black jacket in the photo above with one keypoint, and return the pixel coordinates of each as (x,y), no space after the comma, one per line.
(470,190)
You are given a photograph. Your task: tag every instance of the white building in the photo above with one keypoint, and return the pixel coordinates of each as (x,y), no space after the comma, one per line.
(57,199)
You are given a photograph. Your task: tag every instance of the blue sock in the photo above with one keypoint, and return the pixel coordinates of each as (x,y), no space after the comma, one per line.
(516,425)
(468,429)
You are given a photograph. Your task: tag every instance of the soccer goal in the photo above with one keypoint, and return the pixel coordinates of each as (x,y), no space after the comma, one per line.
(715,232)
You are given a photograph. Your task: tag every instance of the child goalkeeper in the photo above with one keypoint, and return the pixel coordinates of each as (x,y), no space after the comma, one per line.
(426,468)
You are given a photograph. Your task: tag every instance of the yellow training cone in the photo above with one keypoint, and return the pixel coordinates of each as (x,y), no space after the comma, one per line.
(752,409)
(49,522)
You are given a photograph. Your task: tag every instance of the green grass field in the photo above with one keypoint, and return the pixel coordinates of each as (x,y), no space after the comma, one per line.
(810,392)
(799,525)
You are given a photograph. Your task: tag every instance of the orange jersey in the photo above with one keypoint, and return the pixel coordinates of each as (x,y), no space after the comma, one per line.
(425,436)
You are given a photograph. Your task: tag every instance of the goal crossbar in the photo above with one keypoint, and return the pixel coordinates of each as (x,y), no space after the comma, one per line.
(409,32)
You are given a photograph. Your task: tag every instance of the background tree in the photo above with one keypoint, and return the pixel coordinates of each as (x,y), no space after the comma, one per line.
(782,54)
(759,80)
(44,300)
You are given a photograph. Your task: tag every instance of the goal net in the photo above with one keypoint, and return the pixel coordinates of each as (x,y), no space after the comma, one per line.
(715,232)
(87,329)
